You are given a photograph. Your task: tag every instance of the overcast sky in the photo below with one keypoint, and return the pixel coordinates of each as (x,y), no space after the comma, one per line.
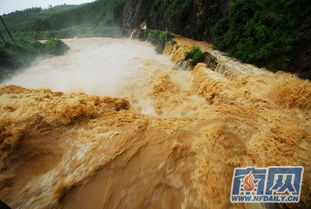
(7,6)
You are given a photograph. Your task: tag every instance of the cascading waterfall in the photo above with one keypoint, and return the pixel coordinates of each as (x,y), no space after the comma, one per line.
(132,34)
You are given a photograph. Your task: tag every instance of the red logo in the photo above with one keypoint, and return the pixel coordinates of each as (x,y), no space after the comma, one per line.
(249,182)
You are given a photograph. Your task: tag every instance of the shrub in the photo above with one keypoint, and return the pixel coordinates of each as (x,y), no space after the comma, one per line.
(172,42)
(156,37)
(194,55)
(55,47)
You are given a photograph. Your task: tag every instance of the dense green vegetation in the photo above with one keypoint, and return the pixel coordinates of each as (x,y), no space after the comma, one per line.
(264,32)
(158,38)
(97,13)
(273,34)
(194,55)
(32,18)
(22,53)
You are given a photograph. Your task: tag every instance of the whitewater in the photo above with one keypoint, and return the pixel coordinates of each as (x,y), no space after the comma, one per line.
(110,124)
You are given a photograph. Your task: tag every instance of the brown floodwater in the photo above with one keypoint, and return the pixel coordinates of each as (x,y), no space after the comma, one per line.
(111,125)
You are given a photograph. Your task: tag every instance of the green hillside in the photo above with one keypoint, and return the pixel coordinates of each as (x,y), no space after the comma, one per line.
(29,19)
(99,18)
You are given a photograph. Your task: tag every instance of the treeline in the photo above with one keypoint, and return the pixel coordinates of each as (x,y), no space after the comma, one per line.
(99,13)
(70,32)
(93,16)
(25,20)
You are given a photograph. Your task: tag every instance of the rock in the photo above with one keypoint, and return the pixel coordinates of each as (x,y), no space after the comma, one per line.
(182,65)
(210,61)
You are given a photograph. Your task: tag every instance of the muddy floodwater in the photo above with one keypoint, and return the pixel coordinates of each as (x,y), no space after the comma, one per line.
(110,125)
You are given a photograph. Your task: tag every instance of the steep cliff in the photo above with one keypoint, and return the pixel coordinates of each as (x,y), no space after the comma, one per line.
(191,18)
(135,12)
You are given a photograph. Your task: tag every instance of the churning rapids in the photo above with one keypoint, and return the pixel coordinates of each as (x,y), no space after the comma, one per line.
(110,125)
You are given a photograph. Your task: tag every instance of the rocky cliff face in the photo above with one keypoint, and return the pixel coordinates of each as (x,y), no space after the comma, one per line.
(191,18)
(135,12)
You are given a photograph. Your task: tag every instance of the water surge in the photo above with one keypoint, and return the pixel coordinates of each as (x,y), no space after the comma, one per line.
(111,125)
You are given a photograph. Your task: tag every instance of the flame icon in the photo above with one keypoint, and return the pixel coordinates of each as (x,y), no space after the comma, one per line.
(249,182)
